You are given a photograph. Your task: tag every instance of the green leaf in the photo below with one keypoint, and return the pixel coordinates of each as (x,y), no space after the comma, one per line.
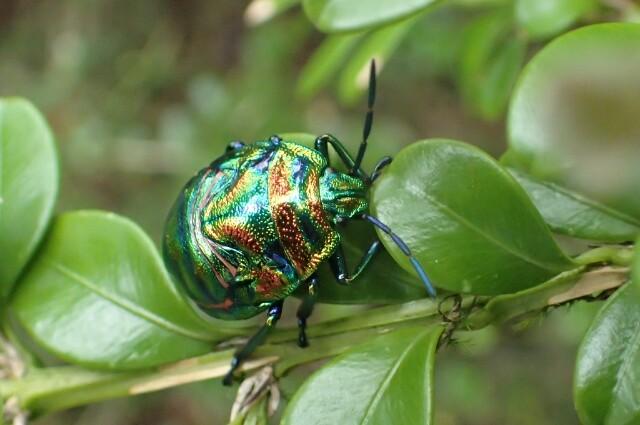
(491,59)
(545,18)
(379,45)
(467,221)
(572,214)
(28,186)
(574,115)
(349,15)
(388,380)
(607,375)
(324,62)
(98,295)
(383,282)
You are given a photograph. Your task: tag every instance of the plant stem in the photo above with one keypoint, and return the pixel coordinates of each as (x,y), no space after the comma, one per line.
(620,256)
(44,390)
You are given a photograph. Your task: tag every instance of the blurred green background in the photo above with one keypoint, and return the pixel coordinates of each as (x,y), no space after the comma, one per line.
(141,94)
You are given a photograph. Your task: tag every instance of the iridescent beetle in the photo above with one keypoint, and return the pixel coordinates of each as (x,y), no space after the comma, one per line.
(254,225)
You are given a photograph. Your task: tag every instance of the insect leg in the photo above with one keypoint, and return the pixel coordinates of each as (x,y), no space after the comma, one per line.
(368,120)
(379,167)
(321,145)
(273,315)
(405,250)
(235,145)
(305,310)
(339,264)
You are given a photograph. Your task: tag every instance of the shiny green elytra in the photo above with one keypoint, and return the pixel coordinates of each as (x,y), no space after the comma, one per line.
(248,229)
(254,225)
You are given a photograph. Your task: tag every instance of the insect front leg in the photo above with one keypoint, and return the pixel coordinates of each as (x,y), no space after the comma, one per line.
(322,145)
(379,167)
(305,310)
(273,315)
(338,264)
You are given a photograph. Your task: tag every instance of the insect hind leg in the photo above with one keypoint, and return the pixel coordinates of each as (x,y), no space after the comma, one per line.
(273,315)
(304,312)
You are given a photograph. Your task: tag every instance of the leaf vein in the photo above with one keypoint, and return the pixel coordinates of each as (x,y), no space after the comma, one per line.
(125,304)
(590,203)
(375,400)
(454,214)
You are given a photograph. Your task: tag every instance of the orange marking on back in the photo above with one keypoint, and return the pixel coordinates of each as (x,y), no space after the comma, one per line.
(291,236)
(240,236)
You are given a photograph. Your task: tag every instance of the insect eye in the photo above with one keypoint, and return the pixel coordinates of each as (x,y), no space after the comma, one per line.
(275,140)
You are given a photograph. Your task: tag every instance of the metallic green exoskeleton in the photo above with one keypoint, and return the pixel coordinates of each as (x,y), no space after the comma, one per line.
(254,225)
(250,228)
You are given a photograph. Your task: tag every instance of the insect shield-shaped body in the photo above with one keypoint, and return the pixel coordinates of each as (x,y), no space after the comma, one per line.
(253,226)
(247,230)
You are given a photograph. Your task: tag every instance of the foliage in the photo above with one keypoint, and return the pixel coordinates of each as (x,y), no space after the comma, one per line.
(485,61)
(89,288)
(28,186)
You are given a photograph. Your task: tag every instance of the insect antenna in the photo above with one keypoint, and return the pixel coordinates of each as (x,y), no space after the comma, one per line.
(405,250)
(368,120)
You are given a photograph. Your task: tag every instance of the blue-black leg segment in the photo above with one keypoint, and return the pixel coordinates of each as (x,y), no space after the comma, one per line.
(386,160)
(304,311)
(273,315)
(405,250)
(338,264)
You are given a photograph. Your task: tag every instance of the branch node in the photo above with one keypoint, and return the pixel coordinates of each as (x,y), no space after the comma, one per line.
(451,317)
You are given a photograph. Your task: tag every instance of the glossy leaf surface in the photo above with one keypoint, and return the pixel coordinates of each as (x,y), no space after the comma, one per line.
(388,380)
(572,214)
(472,227)
(574,115)
(28,186)
(607,376)
(544,18)
(349,15)
(98,295)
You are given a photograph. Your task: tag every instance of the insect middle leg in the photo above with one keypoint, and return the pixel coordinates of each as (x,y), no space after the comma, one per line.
(273,315)
(305,310)
(338,264)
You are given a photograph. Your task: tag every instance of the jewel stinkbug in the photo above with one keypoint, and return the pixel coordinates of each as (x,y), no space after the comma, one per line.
(254,225)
